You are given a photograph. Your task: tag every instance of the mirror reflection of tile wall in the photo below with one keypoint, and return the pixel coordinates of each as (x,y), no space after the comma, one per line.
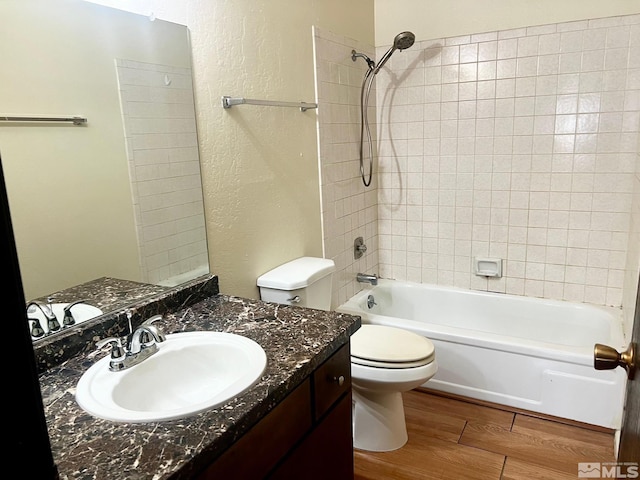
(162,150)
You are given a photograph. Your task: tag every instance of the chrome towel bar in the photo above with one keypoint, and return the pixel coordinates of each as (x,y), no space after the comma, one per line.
(75,119)
(228,102)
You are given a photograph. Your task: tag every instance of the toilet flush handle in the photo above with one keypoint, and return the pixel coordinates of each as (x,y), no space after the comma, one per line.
(295,299)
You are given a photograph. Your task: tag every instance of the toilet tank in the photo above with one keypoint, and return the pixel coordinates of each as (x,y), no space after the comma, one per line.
(305,282)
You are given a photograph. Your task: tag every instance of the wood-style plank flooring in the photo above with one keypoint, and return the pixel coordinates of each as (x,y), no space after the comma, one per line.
(455,439)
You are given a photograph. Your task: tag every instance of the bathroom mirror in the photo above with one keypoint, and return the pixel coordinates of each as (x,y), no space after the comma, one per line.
(119,196)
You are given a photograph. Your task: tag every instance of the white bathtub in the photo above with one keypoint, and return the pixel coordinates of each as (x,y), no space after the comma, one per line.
(522,352)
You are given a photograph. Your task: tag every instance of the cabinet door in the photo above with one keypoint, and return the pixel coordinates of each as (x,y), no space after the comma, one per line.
(262,447)
(326,453)
(331,380)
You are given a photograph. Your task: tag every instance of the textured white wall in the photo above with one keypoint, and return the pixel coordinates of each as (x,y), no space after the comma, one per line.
(260,164)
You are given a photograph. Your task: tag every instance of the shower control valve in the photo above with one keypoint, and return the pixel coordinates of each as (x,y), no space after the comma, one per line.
(359,248)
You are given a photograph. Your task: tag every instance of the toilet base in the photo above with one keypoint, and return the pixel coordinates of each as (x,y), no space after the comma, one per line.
(378,421)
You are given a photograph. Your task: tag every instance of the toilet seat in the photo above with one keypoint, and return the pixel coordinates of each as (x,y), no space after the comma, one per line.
(379,346)
(391,379)
(385,363)
(374,364)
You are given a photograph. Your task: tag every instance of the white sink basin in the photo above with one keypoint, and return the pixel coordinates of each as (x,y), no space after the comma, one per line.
(190,373)
(81,313)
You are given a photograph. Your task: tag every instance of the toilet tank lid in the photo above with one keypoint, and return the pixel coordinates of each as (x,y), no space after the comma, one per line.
(298,273)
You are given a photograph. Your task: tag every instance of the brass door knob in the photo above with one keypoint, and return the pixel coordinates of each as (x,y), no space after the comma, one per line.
(608,358)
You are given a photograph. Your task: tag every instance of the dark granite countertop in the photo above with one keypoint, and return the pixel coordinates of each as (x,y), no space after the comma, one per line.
(106,293)
(296,341)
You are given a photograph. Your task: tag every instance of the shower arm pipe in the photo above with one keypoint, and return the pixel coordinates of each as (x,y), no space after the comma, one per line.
(228,102)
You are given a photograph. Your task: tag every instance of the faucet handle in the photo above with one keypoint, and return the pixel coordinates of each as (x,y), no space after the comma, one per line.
(117,351)
(118,355)
(36,329)
(52,323)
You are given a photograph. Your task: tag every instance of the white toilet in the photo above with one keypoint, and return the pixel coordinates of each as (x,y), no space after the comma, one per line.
(385,361)
(305,282)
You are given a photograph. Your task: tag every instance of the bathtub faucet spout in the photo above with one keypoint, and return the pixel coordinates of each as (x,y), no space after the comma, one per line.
(367,278)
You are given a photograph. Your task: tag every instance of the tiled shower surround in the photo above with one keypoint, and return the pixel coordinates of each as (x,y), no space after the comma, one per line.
(518,144)
(349,210)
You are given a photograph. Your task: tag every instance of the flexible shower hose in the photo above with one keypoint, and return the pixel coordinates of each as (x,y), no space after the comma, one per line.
(364,126)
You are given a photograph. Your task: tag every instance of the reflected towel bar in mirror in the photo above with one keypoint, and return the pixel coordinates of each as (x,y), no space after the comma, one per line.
(75,119)
(228,102)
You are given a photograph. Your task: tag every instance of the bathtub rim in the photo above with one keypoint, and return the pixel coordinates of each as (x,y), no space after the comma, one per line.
(580,355)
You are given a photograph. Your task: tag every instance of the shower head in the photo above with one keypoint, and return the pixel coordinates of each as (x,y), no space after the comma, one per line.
(402,41)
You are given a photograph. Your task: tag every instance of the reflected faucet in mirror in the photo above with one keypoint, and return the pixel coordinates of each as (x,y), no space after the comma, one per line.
(47,311)
(48,318)
(67,319)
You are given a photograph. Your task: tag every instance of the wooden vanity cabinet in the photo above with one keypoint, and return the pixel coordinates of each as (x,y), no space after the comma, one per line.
(307,435)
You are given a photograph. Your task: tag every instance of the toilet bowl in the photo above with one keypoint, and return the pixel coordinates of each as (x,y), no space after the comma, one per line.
(385,362)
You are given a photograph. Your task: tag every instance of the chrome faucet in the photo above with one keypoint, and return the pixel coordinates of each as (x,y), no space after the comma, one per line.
(367,278)
(145,336)
(138,346)
(47,310)
(67,319)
